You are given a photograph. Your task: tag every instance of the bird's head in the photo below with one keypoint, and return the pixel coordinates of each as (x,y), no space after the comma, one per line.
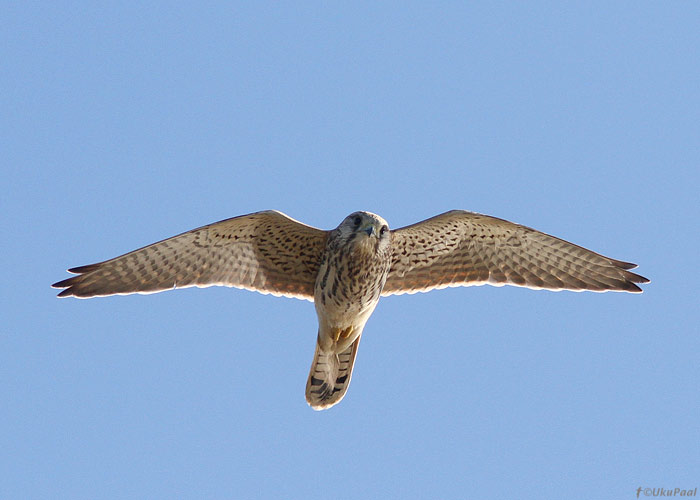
(365,231)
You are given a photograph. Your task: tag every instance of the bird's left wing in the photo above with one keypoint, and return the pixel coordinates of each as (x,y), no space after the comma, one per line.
(460,248)
(268,252)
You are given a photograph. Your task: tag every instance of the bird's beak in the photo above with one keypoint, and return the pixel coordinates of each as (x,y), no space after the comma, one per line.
(369,229)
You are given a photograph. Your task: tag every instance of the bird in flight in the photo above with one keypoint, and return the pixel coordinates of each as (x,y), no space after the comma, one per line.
(346,270)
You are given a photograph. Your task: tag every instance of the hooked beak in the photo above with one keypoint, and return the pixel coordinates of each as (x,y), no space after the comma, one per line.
(369,229)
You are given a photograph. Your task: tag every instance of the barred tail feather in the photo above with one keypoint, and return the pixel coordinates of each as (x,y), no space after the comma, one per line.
(329,377)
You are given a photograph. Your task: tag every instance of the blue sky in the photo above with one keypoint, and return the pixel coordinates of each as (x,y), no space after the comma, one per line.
(126,124)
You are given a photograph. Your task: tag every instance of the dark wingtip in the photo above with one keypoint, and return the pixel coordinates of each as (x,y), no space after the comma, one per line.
(65,293)
(631,277)
(622,264)
(62,284)
(70,283)
(67,284)
(632,280)
(83,269)
(636,278)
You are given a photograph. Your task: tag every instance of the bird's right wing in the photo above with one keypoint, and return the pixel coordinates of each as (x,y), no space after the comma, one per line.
(268,252)
(460,248)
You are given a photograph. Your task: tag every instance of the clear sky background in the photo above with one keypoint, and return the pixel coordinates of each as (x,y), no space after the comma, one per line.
(125,124)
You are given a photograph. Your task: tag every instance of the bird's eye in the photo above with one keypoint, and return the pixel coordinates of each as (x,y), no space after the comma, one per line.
(383,230)
(357,221)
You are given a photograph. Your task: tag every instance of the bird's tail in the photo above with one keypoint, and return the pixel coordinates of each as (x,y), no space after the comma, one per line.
(330,375)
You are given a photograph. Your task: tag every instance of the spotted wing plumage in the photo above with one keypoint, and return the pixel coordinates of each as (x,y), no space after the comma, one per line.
(460,248)
(268,252)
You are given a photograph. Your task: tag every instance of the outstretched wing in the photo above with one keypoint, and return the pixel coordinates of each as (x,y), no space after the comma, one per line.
(264,251)
(460,248)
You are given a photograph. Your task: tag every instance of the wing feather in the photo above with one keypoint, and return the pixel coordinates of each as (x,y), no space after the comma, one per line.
(268,252)
(460,248)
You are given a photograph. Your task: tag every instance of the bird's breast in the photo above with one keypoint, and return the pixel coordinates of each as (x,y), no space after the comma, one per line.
(348,285)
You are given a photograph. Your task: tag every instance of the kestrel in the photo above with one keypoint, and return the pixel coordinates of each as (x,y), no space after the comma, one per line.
(346,270)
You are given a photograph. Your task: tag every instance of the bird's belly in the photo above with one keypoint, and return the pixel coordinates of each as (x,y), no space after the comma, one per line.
(347,310)
(340,327)
(343,305)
